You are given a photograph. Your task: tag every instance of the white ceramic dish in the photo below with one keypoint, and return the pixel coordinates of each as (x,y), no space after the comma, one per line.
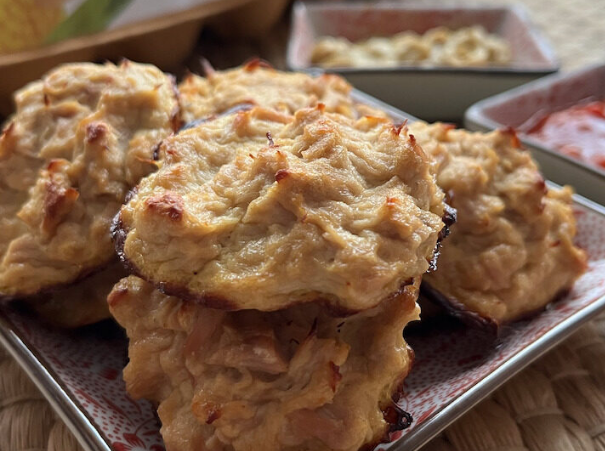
(430,93)
(79,372)
(557,92)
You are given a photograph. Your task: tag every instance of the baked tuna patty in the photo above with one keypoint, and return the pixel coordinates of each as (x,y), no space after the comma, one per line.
(80,139)
(256,83)
(261,210)
(295,379)
(511,251)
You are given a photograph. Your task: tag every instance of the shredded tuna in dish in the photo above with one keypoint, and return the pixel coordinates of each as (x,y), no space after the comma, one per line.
(440,46)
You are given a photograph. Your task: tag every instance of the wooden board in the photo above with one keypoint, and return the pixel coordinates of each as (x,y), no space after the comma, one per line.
(163,41)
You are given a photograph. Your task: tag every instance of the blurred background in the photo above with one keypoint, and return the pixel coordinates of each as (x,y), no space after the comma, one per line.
(39,34)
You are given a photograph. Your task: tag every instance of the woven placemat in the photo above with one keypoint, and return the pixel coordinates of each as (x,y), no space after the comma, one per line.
(556,404)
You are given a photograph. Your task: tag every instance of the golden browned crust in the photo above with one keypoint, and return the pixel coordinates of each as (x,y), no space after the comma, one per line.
(80,139)
(264,210)
(511,250)
(288,380)
(257,83)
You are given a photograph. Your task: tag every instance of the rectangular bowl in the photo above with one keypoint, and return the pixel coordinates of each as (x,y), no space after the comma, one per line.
(430,93)
(80,372)
(554,93)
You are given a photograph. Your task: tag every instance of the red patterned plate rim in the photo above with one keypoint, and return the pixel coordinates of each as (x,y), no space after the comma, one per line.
(51,387)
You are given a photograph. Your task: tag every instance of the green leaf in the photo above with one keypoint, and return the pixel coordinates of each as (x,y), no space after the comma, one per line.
(91,17)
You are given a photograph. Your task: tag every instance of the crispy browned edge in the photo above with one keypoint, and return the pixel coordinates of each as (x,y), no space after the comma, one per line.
(396,418)
(119,237)
(453,307)
(449,219)
(119,233)
(458,310)
(175,120)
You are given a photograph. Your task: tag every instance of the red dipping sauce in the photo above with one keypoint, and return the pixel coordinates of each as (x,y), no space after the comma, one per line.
(578,132)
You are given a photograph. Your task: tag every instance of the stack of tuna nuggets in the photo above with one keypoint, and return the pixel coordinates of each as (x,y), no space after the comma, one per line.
(276,233)
(282,242)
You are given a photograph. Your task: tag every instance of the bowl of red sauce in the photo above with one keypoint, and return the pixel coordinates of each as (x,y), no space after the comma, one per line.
(561,119)
(578,131)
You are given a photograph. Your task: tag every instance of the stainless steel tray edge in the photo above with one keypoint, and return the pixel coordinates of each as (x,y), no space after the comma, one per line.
(64,406)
